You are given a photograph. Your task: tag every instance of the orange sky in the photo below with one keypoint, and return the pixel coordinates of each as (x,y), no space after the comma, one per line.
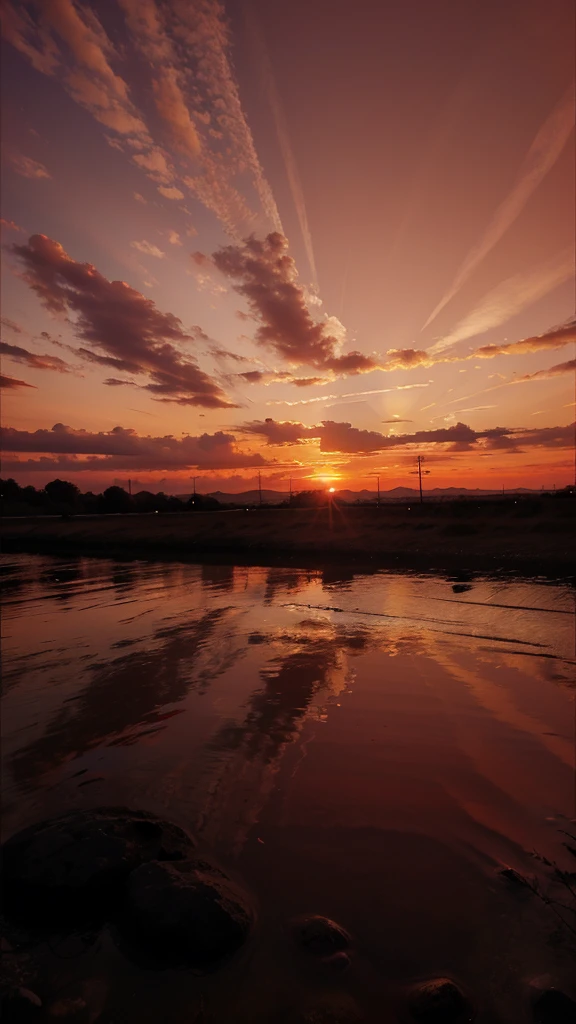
(298,239)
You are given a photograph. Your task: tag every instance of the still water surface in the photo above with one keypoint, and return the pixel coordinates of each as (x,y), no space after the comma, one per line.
(374,748)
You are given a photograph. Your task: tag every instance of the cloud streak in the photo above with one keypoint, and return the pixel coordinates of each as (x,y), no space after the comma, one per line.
(37,362)
(556,337)
(12,383)
(124,329)
(543,153)
(124,449)
(509,298)
(283,137)
(343,438)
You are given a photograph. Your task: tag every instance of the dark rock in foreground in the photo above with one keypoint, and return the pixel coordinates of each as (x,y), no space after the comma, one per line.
(186,913)
(320,935)
(439,1001)
(130,869)
(76,866)
(21,1005)
(554,1007)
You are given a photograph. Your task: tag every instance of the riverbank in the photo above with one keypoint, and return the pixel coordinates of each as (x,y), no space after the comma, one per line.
(532,537)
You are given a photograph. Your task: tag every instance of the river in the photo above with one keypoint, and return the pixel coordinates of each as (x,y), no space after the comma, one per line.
(375,748)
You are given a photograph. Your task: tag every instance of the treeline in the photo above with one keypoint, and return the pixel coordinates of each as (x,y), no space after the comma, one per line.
(60,497)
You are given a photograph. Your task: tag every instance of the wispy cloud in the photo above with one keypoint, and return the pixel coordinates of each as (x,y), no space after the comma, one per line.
(33,359)
(509,298)
(28,168)
(283,134)
(148,249)
(538,162)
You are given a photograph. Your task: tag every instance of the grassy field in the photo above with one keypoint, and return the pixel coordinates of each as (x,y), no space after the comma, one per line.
(534,534)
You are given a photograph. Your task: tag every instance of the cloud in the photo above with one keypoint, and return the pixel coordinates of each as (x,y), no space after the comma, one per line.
(140,199)
(10,225)
(539,160)
(37,362)
(123,449)
(126,330)
(267,377)
(198,101)
(11,383)
(266,276)
(343,438)
(172,108)
(353,394)
(171,192)
(11,325)
(283,135)
(148,249)
(174,238)
(510,297)
(556,337)
(552,371)
(397,420)
(27,167)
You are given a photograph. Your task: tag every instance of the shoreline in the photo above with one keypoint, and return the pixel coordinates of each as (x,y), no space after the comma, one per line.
(424,539)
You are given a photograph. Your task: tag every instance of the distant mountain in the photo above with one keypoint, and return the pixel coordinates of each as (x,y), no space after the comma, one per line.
(395,494)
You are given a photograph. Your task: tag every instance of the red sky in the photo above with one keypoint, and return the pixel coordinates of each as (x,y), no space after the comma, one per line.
(311,239)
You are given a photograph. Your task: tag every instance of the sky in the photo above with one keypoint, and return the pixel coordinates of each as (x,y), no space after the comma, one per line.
(311,240)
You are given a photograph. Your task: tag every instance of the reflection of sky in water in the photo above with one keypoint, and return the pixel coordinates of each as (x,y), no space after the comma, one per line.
(354,724)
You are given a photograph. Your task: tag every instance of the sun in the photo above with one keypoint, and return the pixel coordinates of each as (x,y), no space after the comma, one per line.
(331,490)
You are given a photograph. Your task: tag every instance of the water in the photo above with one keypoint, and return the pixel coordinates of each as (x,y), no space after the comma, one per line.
(375,748)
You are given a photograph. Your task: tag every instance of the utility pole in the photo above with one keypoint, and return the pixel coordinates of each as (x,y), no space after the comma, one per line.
(378,498)
(260,489)
(420,460)
(290,490)
(194,490)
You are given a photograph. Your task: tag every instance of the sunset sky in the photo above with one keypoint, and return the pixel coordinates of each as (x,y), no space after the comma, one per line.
(315,239)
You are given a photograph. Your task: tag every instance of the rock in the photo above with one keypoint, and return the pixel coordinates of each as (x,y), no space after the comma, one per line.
(439,1001)
(21,1005)
(320,935)
(183,914)
(554,1007)
(76,865)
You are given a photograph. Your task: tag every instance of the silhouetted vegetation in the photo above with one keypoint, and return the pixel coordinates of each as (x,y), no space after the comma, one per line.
(60,497)
(63,498)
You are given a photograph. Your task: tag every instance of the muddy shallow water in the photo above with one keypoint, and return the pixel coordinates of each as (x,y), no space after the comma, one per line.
(373,748)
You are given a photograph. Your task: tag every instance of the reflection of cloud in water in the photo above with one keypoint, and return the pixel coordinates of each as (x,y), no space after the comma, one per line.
(124,694)
(218,577)
(287,581)
(297,685)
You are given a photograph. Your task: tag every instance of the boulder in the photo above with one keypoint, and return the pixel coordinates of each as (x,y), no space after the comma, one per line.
(184,914)
(76,866)
(320,935)
(21,1005)
(554,1007)
(439,1001)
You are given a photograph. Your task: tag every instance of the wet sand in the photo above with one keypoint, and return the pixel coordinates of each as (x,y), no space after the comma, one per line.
(373,747)
(533,537)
